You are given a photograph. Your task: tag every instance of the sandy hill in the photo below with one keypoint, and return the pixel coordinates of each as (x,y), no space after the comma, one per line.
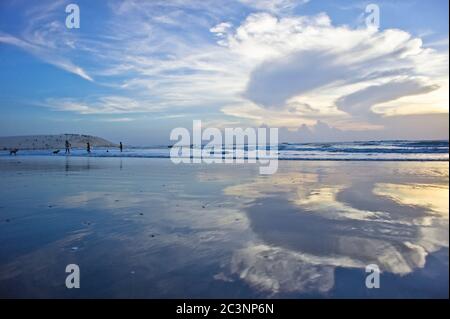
(31,142)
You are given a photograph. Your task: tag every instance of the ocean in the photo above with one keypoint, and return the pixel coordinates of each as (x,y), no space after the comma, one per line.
(398,150)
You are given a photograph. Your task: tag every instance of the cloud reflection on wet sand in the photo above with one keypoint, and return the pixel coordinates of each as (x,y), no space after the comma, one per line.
(299,215)
(139,228)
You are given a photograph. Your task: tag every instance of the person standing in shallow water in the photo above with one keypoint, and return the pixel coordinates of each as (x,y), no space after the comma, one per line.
(67,147)
(88,147)
(121,147)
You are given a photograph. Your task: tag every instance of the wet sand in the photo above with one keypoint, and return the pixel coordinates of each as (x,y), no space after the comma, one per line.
(146,228)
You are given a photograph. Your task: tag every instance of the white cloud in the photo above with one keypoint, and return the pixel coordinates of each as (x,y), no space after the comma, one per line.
(221,28)
(308,60)
(45,55)
(274,6)
(99,105)
(47,38)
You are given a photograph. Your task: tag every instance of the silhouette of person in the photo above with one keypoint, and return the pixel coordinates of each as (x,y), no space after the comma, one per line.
(88,147)
(121,146)
(67,147)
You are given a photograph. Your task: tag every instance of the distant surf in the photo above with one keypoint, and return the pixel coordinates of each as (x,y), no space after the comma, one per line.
(342,151)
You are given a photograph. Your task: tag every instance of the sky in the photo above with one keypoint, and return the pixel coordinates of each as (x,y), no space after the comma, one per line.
(134,70)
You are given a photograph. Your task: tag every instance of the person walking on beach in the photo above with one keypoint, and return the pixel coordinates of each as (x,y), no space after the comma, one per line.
(88,147)
(67,147)
(121,147)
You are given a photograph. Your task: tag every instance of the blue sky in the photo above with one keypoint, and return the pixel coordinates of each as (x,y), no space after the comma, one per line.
(135,70)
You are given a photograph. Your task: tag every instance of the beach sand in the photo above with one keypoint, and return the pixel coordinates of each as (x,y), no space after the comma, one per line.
(147,228)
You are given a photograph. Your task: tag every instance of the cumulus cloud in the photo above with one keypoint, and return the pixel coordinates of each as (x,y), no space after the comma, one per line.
(272,83)
(308,60)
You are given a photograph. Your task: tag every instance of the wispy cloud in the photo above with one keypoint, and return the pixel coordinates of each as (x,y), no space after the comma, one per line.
(45,55)
(100,105)
(46,37)
(274,6)
(118,119)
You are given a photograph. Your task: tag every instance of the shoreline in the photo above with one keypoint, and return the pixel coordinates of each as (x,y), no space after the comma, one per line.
(3,156)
